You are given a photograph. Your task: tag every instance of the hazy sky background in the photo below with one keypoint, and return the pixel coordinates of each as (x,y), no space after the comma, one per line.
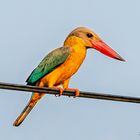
(30,29)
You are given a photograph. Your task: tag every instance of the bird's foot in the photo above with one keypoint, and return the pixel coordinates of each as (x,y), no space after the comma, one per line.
(77,92)
(60,91)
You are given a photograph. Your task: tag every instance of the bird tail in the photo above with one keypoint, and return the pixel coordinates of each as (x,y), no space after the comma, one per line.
(34,99)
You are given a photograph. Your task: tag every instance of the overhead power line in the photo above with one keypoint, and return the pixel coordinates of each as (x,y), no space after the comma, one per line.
(83,94)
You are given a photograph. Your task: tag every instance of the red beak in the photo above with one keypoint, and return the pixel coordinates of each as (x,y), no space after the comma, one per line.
(105,49)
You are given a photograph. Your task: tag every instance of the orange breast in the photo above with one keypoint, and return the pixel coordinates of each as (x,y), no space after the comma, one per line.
(68,68)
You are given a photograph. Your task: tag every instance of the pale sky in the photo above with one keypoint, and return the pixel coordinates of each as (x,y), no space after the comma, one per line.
(31,29)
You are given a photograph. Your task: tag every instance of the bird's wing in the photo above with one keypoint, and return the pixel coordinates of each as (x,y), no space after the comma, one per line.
(48,64)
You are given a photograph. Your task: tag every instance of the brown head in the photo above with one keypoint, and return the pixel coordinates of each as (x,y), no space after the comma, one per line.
(92,40)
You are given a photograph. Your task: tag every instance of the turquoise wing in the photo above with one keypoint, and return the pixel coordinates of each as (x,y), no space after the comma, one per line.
(48,64)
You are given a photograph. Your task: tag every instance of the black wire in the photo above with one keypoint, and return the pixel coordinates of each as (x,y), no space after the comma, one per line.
(83,94)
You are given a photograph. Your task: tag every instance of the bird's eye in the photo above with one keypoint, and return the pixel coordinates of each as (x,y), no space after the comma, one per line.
(89,35)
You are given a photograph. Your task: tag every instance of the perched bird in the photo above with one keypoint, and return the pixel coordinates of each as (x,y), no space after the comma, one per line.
(62,63)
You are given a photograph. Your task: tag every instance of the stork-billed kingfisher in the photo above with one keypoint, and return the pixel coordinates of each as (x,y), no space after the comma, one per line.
(61,64)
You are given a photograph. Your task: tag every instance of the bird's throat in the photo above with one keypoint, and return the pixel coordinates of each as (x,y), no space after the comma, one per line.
(74,41)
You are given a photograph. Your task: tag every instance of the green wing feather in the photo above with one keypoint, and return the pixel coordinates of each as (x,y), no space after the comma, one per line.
(48,64)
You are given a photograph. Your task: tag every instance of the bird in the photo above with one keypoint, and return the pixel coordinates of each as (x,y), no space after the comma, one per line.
(57,68)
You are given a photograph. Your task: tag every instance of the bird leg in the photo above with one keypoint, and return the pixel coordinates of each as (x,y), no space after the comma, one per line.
(77,92)
(65,86)
(60,90)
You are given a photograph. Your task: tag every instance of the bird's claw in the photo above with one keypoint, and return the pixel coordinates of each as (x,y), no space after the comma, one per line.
(77,92)
(60,91)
